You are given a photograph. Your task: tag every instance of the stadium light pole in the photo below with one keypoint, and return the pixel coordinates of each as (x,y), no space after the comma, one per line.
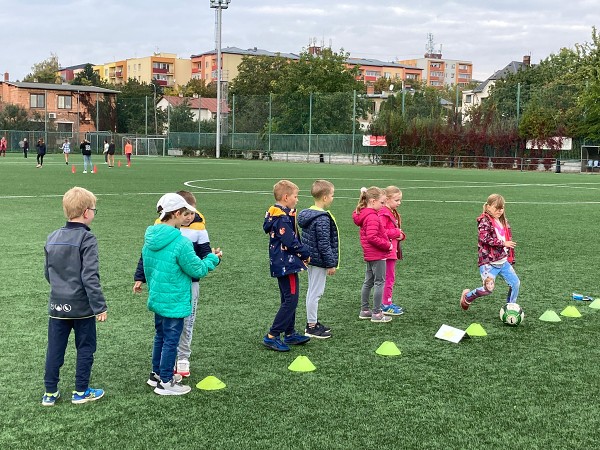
(219,5)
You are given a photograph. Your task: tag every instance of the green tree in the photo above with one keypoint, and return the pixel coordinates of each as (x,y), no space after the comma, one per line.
(87,77)
(45,71)
(135,106)
(14,117)
(181,118)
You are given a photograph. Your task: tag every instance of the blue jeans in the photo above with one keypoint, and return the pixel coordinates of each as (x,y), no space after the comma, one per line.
(488,276)
(164,353)
(87,160)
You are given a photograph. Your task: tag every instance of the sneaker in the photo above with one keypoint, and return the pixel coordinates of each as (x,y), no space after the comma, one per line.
(380,318)
(171,388)
(366,314)
(154,378)
(295,339)
(318,331)
(464,304)
(85,171)
(50,399)
(392,310)
(38,165)
(67,163)
(89,395)
(326,328)
(183,367)
(275,344)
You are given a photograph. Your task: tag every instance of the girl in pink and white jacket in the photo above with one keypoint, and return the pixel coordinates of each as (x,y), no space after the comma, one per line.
(392,223)
(375,245)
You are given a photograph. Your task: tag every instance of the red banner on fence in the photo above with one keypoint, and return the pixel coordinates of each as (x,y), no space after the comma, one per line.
(374,141)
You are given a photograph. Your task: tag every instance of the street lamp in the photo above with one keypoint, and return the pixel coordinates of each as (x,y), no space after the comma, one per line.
(219,5)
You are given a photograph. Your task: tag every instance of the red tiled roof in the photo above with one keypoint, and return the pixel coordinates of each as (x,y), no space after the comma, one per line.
(195,103)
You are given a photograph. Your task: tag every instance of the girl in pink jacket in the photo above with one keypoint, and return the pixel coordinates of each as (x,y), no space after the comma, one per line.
(375,245)
(392,223)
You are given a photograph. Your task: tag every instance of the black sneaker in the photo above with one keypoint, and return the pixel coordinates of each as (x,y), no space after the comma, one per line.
(318,332)
(326,328)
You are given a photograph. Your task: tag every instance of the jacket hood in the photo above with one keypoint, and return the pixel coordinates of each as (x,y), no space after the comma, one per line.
(159,236)
(274,213)
(306,216)
(362,215)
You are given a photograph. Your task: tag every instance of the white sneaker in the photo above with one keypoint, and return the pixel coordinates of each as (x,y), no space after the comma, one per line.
(183,367)
(85,171)
(171,388)
(154,378)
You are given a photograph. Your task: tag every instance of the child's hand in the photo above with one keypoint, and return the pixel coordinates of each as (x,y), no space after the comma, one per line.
(217,251)
(101,317)
(137,287)
(510,244)
(331,271)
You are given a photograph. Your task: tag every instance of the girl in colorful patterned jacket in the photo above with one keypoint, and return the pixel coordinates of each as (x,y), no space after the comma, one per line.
(376,246)
(392,223)
(496,253)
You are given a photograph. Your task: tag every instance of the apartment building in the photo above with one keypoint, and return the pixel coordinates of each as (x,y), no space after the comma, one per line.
(372,69)
(439,72)
(68,74)
(165,68)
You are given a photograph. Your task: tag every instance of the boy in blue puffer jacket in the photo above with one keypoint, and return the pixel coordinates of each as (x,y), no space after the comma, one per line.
(320,234)
(170,263)
(287,257)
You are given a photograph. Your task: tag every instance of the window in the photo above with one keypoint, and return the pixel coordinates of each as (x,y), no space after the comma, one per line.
(64,102)
(105,73)
(435,65)
(160,65)
(64,128)
(412,76)
(373,73)
(468,98)
(437,74)
(387,75)
(453,66)
(37,100)
(463,67)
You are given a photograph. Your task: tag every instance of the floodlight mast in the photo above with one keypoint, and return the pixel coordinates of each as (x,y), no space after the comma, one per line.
(218,5)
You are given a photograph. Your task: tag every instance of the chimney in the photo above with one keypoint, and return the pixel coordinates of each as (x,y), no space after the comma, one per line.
(6,77)
(527,60)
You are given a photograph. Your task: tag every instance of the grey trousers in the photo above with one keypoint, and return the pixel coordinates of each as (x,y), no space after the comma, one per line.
(374,276)
(317,276)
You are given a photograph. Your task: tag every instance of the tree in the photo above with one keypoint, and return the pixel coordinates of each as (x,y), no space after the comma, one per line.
(14,117)
(87,77)
(45,71)
(195,87)
(135,108)
(182,119)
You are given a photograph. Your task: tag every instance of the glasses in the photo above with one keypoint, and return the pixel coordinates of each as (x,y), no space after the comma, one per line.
(93,209)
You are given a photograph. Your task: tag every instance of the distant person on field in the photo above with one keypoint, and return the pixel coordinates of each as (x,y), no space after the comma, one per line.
(41,151)
(3,145)
(496,254)
(376,246)
(170,263)
(320,235)
(128,152)
(392,222)
(25,147)
(105,151)
(195,230)
(76,299)
(66,149)
(287,257)
(111,153)
(86,151)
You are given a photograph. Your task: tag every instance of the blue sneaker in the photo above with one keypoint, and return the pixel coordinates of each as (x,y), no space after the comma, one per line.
(295,339)
(89,395)
(50,399)
(392,310)
(275,344)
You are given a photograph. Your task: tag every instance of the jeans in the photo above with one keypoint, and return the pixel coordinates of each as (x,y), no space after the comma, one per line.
(85,343)
(87,160)
(390,280)
(285,318)
(185,341)
(317,277)
(164,353)
(374,276)
(488,276)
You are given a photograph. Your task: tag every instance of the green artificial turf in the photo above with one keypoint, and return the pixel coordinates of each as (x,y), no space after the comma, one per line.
(532,386)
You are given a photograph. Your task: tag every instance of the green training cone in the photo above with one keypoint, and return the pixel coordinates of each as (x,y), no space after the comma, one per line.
(388,348)
(302,364)
(595,304)
(475,330)
(550,316)
(210,383)
(570,311)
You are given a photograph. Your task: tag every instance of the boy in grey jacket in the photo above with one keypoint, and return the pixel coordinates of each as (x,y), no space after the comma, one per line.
(76,299)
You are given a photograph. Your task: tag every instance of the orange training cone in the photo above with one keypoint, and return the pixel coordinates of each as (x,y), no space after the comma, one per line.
(73,169)
(95,169)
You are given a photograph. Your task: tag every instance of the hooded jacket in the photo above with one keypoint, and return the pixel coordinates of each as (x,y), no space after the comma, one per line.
(169,265)
(373,237)
(320,235)
(490,248)
(286,253)
(391,223)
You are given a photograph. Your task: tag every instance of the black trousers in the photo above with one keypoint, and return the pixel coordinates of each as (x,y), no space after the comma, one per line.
(285,318)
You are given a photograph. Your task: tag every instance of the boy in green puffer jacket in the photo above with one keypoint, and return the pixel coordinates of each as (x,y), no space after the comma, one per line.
(170,263)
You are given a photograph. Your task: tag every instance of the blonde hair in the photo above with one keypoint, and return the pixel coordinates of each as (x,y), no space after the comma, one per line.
(390,191)
(188,197)
(368,194)
(321,188)
(76,200)
(284,187)
(497,201)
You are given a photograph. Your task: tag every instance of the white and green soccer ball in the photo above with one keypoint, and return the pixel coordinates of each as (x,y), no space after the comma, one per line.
(511,314)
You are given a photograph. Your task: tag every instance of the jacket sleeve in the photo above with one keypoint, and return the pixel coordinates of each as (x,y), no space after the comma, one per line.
(287,235)
(487,235)
(194,266)
(139,271)
(390,227)
(373,233)
(90,277)
(323,233)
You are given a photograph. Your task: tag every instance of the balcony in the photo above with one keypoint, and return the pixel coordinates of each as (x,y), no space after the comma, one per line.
(157,70)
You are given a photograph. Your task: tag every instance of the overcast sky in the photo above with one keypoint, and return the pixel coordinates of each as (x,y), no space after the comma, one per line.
(100,31)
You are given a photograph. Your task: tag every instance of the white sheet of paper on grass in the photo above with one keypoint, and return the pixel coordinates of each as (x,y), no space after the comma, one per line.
(448,333)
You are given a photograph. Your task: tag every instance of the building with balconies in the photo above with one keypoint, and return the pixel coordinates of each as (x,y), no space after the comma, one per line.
(372,69)
(440,72)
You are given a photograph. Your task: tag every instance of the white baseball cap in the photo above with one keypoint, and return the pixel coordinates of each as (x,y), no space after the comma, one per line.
(172,202)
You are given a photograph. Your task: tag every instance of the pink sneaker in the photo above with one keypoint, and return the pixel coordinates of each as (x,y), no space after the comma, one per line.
(380,318)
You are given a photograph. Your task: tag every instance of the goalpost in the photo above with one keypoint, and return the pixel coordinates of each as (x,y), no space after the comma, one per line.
(146,146)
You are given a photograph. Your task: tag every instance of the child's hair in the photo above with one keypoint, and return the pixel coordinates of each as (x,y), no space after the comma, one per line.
(368,194)
(390,191)
(171,214)
(497,201)
(76,200)
(284,187)
(321,188)
(188,197)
